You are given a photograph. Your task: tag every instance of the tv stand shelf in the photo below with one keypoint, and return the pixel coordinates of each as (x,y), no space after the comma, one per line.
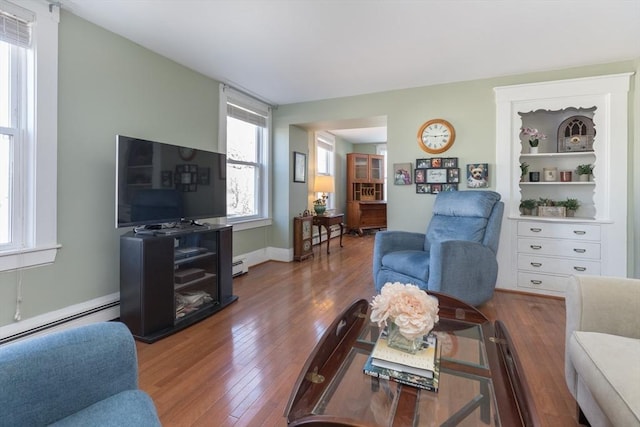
(160,276)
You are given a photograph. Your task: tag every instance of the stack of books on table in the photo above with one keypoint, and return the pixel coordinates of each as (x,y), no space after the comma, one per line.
(421,369)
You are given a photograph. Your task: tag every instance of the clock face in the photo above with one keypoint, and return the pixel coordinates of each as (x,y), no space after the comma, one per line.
(436,136)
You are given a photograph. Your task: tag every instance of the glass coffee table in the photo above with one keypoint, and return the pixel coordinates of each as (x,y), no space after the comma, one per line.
(481,381)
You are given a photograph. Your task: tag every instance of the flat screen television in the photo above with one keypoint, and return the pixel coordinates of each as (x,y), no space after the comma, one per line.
(159,183)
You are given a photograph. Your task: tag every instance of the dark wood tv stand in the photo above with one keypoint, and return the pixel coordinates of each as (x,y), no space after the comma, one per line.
(171,281)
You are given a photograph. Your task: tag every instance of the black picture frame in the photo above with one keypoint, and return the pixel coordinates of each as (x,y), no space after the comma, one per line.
(203,176)
(299,167)
(423,163)
(166,179)
(450,162)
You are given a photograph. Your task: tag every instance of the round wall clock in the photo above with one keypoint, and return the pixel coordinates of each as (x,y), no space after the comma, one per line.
(187,153)
(436,136)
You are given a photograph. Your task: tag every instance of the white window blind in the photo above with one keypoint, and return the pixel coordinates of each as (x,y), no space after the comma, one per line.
(15,24)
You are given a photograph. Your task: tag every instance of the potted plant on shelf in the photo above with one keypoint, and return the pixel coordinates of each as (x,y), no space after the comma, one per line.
(534,138)
(571,205)
(527,206)
(524,168)
(585,172)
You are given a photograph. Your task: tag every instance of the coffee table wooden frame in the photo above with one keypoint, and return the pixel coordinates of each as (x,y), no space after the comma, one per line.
(513,400)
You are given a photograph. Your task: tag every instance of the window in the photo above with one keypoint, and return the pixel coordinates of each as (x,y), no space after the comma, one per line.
(325,154)
(382,150)
(28,132)
(246,138)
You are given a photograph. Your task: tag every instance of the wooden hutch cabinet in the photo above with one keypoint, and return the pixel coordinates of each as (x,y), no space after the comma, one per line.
(366,207)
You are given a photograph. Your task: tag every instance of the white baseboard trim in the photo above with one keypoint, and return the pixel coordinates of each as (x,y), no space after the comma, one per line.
(97,310)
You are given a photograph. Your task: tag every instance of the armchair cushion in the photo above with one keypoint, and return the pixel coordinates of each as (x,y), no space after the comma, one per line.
(411,263)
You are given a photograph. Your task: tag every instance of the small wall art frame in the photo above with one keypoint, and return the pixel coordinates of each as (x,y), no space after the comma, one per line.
(299,167)
(402,173)
(478,175)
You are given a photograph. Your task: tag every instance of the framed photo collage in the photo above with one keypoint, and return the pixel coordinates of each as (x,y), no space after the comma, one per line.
(436,174)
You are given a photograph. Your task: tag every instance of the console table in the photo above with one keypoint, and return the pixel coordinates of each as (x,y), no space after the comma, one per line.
(327,221)
(481,380)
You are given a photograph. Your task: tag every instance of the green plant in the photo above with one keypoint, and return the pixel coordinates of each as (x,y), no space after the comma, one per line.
(570,204)
(528,204)
(545,202)
(584,169)
(524,168)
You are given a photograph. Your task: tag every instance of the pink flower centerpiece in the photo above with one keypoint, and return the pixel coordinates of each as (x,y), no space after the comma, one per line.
(411,311)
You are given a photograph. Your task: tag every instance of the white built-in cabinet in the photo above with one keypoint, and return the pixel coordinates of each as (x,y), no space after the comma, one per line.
(538,254)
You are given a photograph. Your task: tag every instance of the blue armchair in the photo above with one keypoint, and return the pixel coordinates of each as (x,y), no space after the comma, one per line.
(85,376)
(456,256)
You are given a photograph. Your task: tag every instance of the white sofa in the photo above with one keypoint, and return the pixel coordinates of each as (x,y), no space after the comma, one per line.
(602,353)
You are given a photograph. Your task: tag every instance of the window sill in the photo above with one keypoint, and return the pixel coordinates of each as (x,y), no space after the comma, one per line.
(250,224)
(32,257)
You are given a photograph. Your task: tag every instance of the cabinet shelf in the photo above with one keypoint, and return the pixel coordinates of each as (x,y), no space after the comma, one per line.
(575,154)
(558,183)
(193,258)
(198,281)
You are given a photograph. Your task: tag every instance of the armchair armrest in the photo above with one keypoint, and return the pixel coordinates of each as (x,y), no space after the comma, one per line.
(463,269)
(45,379)
(391,241)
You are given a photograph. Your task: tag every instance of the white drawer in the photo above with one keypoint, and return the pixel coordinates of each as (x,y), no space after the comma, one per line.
(546,282)
(563,248)
(559,231)
(542,264)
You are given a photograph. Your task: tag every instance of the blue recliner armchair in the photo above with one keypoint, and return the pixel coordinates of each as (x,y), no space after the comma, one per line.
(457,255)
(85,376)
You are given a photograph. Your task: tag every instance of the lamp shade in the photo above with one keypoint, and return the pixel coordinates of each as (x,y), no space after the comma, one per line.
(324,184)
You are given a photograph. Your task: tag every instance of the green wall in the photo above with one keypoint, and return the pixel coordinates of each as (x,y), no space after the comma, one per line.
(108,85)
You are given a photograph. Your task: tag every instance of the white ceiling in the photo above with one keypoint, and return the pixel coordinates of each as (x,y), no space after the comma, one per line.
(288,51)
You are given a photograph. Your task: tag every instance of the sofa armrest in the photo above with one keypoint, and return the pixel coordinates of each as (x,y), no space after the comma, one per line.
(463,269)
(392,241)
(600,304)
(609,305)
(47,378)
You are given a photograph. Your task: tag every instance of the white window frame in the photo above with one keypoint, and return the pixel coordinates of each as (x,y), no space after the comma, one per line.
(326,141)
(36,196)
(381,149)
(263,218)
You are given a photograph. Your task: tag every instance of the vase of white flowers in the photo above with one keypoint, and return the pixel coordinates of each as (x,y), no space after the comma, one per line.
(408,312)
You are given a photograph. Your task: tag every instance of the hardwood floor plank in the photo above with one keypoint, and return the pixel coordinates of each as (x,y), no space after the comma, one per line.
(238,367)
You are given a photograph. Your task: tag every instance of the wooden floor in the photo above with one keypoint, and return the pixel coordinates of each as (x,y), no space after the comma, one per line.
(238,367)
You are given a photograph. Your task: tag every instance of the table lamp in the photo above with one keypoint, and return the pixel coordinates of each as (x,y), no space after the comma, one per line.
(323,184)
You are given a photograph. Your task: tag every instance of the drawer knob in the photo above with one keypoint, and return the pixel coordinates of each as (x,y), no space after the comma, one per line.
(536,230)
(536,247)
(580,251)
(580,268)
(580,232)
(536,282)
(538,264)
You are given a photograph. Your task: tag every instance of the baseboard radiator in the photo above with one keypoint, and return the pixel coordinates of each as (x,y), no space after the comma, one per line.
(101,309)
(239,267)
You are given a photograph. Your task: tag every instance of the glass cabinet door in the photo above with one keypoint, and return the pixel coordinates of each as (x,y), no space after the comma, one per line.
(376,168)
